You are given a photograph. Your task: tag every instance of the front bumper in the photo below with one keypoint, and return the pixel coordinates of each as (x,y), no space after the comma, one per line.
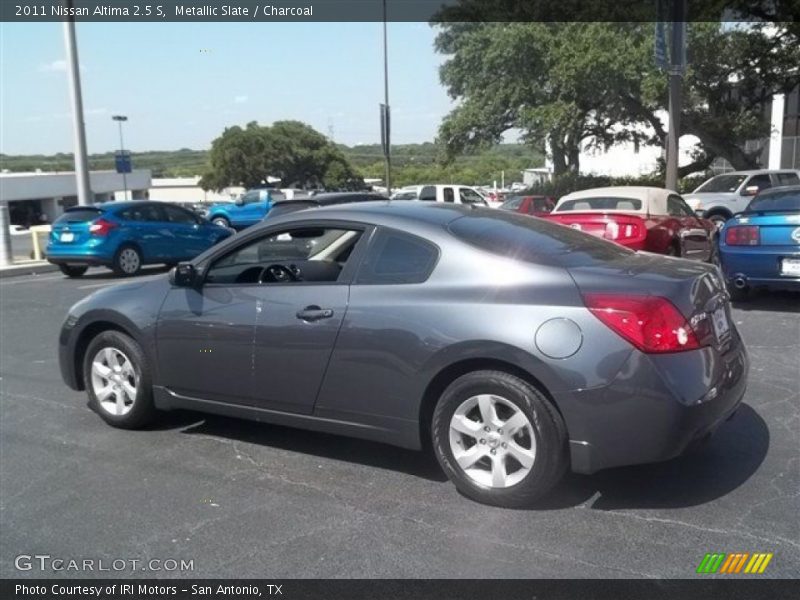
(656,407)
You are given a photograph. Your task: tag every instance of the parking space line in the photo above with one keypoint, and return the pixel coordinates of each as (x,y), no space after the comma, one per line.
(21,280)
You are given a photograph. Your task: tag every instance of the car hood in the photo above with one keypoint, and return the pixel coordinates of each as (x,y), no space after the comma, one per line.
(708,196)
(137,300)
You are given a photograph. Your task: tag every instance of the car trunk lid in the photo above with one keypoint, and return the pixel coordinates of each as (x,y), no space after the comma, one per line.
(72,227)
(774,228)
(622,228)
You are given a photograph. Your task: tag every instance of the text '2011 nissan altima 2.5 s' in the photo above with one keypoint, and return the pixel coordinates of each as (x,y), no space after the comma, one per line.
(517,347)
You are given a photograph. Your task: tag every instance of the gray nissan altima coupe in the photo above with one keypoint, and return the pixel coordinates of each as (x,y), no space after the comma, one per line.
(515,346)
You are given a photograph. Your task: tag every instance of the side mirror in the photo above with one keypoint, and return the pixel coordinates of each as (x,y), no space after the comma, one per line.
(183,275)
(750,190)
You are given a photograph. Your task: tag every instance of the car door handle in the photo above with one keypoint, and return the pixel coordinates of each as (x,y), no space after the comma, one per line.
(314,313)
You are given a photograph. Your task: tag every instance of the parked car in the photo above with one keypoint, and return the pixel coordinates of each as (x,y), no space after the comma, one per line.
(537,206)
(248,209)
(452,194)
(760,247)
(516,347)
(719,198)
(126,235)
(325,199)
(641,218)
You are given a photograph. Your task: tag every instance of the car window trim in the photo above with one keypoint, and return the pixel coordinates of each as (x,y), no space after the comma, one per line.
(346,276)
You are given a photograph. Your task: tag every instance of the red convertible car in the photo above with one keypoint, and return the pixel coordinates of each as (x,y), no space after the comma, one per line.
(641,218)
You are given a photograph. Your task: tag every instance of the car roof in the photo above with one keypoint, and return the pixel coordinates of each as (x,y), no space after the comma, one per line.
(637,192)
(780,189)
(390,213)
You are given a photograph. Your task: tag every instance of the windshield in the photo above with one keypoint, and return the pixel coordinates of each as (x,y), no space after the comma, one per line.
(608,203)
(721,184)
(788,201)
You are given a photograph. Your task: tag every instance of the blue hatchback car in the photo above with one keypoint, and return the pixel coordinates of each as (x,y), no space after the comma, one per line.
(760,247)
(126,235)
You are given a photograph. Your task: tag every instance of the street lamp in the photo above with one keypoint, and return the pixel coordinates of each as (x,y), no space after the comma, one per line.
(121,119)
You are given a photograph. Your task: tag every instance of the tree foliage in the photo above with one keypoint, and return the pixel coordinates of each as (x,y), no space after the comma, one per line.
(595,83)
(291,151)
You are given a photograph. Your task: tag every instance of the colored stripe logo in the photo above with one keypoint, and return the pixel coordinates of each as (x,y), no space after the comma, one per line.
(737,562)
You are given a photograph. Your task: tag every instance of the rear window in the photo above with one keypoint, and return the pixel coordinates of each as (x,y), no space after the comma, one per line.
(512,203)
(604,203)
(788,201)
(535,240)
(79,215)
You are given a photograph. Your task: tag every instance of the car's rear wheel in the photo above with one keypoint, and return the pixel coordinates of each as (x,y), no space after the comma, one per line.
(118,380)
(221,222)
(499,439)
(73,270)
(127,261)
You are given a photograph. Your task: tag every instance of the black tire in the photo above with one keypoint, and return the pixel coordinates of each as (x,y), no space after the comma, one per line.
(551,457)
(142,410)
(121,266)
(221,222)
(73,270)
(718,219)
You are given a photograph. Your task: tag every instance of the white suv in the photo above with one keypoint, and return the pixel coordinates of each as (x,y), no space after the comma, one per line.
(455,194)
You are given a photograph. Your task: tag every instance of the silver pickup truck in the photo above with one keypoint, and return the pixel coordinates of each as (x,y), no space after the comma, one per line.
(722,196)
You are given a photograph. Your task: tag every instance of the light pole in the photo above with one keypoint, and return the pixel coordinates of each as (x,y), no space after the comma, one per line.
(121,119)
(387,150)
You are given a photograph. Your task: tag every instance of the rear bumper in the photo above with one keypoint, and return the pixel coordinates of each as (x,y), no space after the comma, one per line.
(656,407)
(759,266)
(77,259)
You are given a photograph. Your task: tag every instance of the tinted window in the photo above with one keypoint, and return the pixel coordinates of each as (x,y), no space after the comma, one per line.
(78,216)
(143,212)
(600,204)
(762,182)
(395,257)
(676,207)
(541,205)
(449,195)
(251,197)
(512,203)
(722,183)
(428,193)
(788,201)
(178,215)
(535,240)
(788,179)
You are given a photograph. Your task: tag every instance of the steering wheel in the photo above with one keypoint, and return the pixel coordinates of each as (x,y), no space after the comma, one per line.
(279,274)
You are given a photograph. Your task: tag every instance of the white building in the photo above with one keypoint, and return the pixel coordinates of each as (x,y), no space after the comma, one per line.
(187,189)
(34,198)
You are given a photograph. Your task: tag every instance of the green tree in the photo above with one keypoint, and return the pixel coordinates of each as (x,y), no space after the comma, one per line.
(291,151)
(579,83)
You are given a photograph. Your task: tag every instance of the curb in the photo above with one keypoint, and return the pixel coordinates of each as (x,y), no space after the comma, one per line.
(27,269)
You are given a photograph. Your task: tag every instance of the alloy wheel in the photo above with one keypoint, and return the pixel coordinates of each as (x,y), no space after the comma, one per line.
(492,441)
(114,381)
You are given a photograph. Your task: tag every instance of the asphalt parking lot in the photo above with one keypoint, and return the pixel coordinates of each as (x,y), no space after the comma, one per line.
(249,500)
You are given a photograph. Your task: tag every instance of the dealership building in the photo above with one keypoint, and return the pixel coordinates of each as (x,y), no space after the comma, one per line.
(36,198)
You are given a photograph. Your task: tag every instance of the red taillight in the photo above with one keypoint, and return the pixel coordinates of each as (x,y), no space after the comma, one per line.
(101,227)
(622,231)
(743,235)
(650,323)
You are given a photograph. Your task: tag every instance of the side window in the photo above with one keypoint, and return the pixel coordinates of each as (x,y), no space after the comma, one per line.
(395,257)
(762,182)
(449,195)
(428,193)
(178,215)
(677,207)
(143,213)
(297,255)
(788,178)
(469,196)
(250,197)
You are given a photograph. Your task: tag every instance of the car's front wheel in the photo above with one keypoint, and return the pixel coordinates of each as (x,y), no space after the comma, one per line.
(73,270)
(221,222)
(499,439)
(118,380)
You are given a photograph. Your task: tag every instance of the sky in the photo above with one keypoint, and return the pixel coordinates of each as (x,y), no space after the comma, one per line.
(181,84)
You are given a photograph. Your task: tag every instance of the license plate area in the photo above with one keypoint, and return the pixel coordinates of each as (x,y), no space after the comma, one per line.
(719,320)
(67,236)
(790,267)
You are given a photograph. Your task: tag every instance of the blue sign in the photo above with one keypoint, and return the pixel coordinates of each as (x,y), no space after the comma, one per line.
(122,161)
